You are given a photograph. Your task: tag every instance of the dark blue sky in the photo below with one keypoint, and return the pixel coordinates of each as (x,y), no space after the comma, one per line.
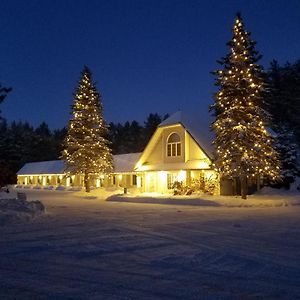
(146,56)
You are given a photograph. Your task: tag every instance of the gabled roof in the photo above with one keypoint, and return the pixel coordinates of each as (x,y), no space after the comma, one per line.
(197,129)
(43,167)
(125,162)
(122,163)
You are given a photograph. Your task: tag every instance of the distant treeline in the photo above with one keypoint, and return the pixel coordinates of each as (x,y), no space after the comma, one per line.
(21,143)
(283,97)
(132,137)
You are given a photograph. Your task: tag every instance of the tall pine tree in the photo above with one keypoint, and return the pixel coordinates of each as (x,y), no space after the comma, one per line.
(86,148)
(244,147)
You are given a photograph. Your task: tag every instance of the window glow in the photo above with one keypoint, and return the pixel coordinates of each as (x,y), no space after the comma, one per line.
(174,145)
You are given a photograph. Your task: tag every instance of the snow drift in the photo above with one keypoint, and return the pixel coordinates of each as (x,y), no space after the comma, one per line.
(18,210)
(263,200)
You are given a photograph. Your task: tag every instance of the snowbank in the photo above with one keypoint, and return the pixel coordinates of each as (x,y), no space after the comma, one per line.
(295,186)
(207,200)
(49,187)
(17,210)
(101,193)
(61,188)
(266,197)
(293,192)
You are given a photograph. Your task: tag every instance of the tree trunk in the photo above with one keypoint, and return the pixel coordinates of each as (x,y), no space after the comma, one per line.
(234,183)
(86,182)
(244,187)
(258,183)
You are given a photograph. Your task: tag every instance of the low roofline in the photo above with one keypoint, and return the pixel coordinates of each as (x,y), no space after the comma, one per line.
(122,163)
(42,174)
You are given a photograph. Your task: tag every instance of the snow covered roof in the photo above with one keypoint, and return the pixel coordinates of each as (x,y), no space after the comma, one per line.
(122,163)
(197,129)
(43,167)
(125,162)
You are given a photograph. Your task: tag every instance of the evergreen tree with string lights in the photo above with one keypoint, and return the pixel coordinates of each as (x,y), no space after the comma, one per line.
(244,147)
(86,148)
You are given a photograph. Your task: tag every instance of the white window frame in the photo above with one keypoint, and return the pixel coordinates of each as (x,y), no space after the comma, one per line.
(174,146)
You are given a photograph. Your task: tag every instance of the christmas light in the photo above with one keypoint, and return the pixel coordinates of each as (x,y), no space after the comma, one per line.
(244,146)
(87,151)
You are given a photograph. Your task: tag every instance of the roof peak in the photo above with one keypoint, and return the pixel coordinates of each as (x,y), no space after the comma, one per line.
(173,119)
(195,126)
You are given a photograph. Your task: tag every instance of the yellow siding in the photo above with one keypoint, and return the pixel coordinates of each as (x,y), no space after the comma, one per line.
(195,151)
(156,154)
(166,133)
(159,152)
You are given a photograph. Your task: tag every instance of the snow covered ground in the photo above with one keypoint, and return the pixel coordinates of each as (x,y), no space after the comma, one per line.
(261,200)
(14,210)
(89,248)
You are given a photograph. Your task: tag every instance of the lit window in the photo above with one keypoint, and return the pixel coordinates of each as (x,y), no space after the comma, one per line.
(171,178)
(134,179)
(174,145)
(178,149)
(169,151)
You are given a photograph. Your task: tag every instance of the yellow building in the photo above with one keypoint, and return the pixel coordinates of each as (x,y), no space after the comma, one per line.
(179,151)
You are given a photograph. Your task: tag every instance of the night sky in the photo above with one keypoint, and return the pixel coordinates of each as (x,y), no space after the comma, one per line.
(146,56)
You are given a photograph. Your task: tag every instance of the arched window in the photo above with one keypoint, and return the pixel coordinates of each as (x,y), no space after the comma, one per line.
(174,145)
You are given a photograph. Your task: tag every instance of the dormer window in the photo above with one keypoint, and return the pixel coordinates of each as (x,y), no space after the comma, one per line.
(174,145)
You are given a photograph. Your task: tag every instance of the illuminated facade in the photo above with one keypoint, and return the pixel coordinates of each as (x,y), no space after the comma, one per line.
(177,151)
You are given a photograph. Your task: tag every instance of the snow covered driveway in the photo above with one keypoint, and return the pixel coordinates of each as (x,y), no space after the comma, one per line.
(92,249)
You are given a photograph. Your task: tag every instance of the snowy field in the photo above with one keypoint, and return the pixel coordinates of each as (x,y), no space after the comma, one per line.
(89,248)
